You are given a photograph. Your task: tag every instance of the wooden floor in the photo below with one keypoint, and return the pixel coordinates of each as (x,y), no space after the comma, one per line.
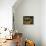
(9,43)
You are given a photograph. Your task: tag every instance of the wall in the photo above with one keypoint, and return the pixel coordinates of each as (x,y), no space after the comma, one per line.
(6,13)
(43,22)
(28,8)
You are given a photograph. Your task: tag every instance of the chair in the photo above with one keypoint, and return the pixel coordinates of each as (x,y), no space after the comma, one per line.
(29,43)
(18,39)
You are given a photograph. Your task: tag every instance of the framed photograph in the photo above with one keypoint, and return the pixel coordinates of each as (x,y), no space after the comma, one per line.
(28,19)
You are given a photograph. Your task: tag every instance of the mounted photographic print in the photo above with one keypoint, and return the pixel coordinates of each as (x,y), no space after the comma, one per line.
(28,19)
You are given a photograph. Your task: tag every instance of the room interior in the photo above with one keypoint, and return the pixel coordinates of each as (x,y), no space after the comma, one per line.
(22,23)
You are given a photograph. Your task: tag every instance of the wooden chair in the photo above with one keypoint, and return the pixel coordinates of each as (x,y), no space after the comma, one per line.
(29,43)
(18,39)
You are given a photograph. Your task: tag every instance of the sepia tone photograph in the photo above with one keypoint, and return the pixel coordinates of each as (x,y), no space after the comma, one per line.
(28,20)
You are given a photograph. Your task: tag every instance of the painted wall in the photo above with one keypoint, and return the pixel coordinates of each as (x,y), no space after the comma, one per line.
(28,8)
(43,22)
(6,13)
